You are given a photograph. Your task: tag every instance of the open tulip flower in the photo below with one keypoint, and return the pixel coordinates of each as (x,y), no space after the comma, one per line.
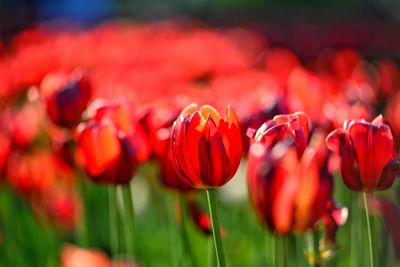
(206,148)
(368,154)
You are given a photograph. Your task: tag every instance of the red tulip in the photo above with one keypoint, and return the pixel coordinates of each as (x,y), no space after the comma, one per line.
(206,148)
(66,97)
(122,115)
(294,125)
(107,154)
(368,154)
(288,181)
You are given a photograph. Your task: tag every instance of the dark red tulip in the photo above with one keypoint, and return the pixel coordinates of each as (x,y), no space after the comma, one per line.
(289,183)
(66,97)
(107,154)
(368,152)
(205,147)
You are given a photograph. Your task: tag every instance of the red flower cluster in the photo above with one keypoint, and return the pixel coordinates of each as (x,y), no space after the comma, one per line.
(169,67)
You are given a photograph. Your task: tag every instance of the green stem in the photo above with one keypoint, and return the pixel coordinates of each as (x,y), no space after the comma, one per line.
(172,229)
(83,234)
(212,205)
(292,250)
(211,253)
(129,221)
(187,256)
(280,257)
(113,209)
(371,251)
(271,252)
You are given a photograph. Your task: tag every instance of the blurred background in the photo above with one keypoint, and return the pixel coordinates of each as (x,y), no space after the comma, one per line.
(142,61)
(306,27)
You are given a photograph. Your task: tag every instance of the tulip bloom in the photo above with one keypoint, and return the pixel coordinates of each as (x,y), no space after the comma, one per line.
(368,154)
(206,148)
(125,120)
(107,154)
(66,97)
(289,183)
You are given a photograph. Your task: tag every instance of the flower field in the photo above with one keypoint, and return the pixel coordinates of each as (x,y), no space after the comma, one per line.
(177,144)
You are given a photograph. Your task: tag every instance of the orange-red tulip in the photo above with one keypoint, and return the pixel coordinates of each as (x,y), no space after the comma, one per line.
(205,147)
(123,116)
(108,155)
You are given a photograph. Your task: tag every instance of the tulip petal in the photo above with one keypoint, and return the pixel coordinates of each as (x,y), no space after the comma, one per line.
(218,156)
(99,144)
(391,170)
(339,141)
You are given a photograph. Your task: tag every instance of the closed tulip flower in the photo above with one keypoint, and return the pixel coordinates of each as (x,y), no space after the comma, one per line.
(66,97)
(368,152)
(206,148)
(107,154)
(124,118)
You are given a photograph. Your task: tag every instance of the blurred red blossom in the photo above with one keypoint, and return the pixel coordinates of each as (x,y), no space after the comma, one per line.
(72,256)
(66,96)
